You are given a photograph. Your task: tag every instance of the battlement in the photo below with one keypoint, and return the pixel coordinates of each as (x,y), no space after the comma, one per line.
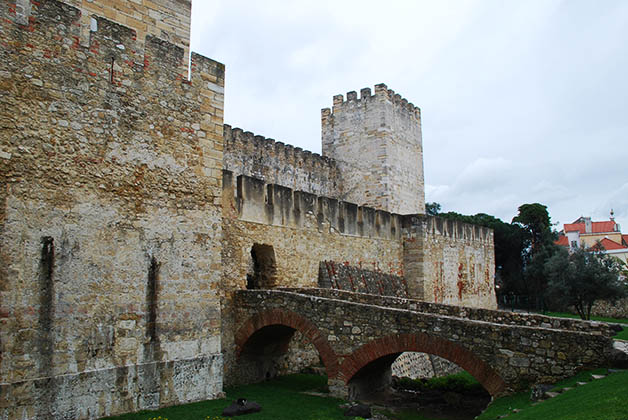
(275,162)
(113,52)
(257,201)
(434,226)
(382,94)
(165,19)
(236,139)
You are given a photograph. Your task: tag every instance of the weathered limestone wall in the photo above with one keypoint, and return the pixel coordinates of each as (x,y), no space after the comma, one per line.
(280,164)
(450,262)
(169,20)
(110,219)
(377,143)
(303,230)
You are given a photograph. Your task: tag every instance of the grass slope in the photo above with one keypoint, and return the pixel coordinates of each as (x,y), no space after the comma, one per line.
(601,399)
(281,399)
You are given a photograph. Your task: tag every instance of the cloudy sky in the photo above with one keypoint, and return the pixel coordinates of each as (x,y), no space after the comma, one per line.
(522,101)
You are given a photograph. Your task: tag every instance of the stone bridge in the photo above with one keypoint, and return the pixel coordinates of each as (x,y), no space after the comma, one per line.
(358,337)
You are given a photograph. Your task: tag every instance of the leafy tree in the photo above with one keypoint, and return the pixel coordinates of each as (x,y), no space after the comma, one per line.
(536,222)
(535,219)
(580,278)
(432,209)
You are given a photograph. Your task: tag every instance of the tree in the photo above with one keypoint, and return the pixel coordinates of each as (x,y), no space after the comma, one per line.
(582,277)
(535,219)
(536,222)
(432,209)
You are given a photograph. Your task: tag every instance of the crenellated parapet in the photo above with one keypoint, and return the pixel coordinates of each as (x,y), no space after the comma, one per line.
(434,226)
(382,94)
(253,200)
(377,142)
(275,162)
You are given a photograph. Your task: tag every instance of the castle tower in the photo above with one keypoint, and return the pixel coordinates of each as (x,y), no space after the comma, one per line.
(377,142)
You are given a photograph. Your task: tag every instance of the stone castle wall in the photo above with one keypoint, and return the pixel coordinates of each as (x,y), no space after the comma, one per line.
(129,214)
(306,231)
(165,19)
(377,142)
(281,164)
(450,262)
(110,219)
(302,230)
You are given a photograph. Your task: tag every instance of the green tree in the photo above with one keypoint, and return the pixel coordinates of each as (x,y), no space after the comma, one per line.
(535,220)
(582,277)
(432,209)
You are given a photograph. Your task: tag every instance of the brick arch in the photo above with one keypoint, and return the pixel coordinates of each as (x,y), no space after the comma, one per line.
(292,320)
(423,343)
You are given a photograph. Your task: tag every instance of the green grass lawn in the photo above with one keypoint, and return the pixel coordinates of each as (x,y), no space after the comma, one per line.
(601,399)
(281,399)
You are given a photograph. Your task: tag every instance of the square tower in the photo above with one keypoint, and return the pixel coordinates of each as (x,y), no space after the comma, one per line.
(377,142)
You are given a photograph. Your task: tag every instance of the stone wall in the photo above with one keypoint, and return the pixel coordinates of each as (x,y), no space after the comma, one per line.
(169,20)
(450,262)
(377,142)
(282,164)
(358,342)
(618,309)
(448,310)
(302,230)
(343,276)
(110,219)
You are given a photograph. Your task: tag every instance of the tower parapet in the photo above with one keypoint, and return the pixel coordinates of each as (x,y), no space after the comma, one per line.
(377,142)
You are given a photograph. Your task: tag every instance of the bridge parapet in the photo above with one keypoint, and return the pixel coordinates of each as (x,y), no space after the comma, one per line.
(478,314)
(358,341)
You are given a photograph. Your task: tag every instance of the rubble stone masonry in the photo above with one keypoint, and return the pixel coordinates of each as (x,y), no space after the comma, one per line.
(110,218)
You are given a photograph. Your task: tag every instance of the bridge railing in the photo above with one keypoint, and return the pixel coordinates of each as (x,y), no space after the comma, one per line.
(487,315)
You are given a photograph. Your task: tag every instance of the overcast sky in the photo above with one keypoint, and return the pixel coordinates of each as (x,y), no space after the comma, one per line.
(522,101)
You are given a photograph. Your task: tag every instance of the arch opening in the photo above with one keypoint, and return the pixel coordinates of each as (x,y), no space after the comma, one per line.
(369,368)
(276,342)
(433,386)
(261,356)
(263,273)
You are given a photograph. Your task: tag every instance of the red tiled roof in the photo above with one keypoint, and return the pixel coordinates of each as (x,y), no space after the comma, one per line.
(610,245)
(625,238)
(596,227)
(562,241)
